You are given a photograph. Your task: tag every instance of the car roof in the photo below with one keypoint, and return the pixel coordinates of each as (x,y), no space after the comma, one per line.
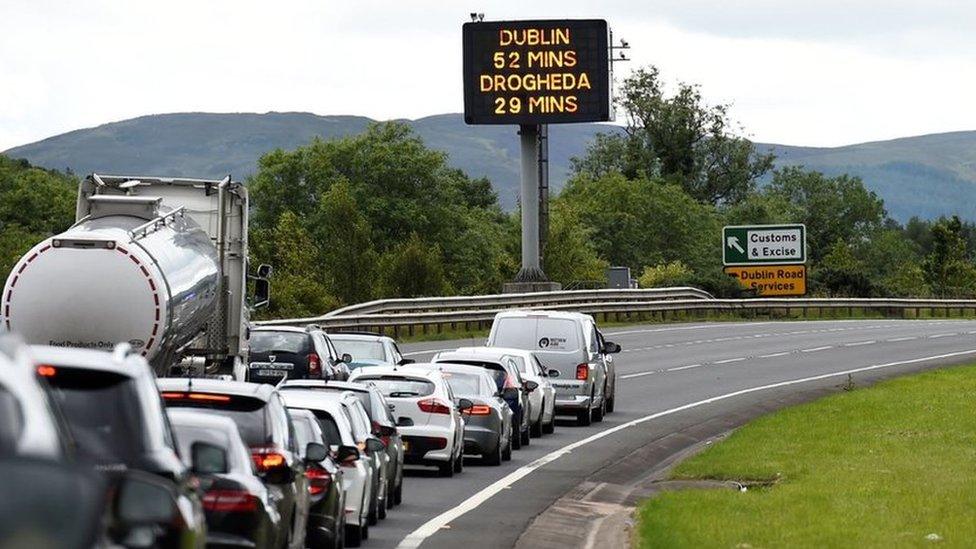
(296,329)
(262,391)
(323,384)
(459,368)
(88,359)
(339,336)
(311,399)
(427,369)
(528,313)
(491,354)
(491,350)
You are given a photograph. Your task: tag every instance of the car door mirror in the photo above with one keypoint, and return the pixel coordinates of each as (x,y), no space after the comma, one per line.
(464,404)
(553,373)
(208,459)
(405,361)
(346,358)
(610,348)
(404,422)
(145,499)
(315,452)
(375,445)
(530,386)
(347,454)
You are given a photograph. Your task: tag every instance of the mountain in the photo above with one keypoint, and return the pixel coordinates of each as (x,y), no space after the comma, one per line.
(928,176)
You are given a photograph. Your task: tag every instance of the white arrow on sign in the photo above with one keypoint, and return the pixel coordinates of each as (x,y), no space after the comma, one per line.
(733,242)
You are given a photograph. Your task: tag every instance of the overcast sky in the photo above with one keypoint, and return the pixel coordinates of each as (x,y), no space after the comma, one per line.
(825,72)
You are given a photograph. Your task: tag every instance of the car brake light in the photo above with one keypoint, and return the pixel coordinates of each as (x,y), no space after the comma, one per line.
(266,459)
(314,365)
(318,480)
(196,396)
(480,410)
(434,406)
(233,501)
(582,372)
(46,371)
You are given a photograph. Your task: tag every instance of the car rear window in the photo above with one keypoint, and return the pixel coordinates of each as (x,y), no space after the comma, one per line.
(330,430)
(537,334)
(303,434)
(360,350)
(11,422)
(399,387)
(103,413)
(464,384)
(497,371)
(268,341)
(248,413)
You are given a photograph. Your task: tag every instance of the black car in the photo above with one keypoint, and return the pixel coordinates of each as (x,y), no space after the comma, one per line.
(291,352)
(118,425)
(239,509)
(266,428)
(327,510)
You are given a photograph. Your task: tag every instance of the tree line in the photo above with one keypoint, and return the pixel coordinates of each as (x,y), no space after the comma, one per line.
(380,215)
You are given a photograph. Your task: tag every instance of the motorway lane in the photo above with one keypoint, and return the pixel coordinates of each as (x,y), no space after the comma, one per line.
(661,368)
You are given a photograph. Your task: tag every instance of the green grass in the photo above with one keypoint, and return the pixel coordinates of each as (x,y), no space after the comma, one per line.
(878,467)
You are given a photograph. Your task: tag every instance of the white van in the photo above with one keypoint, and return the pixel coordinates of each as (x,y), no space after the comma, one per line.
(570,344)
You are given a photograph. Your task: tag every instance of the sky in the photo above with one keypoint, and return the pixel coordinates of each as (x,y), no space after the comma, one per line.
(818,73)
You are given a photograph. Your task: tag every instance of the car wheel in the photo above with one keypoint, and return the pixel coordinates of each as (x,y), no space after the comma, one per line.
(381,508)
(550,428)
(354,536)
(525,437)
(365,530)
(494,458)
(537,429)
(611,403)
(373,518)
(390,491)
(459,464)
(398,494)
(447,468)
(601,411)
(517,434)
(507,451)
(584,417)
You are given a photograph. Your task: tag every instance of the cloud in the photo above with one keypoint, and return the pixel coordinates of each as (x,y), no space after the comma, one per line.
(799,72)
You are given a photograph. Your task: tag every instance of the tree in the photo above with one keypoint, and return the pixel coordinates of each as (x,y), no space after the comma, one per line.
(679,137)
(840,273)
(948,271)
(414,269)
(570,254)
(666,275)
(834,208)
(348,257)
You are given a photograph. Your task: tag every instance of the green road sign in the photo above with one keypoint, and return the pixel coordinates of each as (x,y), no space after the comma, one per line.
(764,244)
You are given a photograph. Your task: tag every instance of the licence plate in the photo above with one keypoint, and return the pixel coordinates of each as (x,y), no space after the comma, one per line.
(272,366)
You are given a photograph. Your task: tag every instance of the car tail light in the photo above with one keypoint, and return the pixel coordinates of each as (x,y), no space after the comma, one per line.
(434,406)
(46,371)
(266,459)
(200,397)
(582,372)
(318,480)
(314,365)
(230,501)
(480,410)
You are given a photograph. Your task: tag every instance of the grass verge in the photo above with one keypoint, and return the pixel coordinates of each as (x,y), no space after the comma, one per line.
(892,465)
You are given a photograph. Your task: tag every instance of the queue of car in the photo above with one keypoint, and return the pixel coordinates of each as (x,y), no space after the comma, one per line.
(308,450)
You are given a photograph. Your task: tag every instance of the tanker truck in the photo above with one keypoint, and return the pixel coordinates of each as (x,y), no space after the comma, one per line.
(160,263)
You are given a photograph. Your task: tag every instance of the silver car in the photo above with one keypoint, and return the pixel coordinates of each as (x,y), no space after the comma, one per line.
(570,344)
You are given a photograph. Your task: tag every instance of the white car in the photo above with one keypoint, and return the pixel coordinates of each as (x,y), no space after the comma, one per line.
(357,472)
(370,446)
(543,399)
(423,404)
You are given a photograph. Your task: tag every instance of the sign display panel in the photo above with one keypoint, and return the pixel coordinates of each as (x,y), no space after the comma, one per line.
(771,280)
(764,245)
(536,72)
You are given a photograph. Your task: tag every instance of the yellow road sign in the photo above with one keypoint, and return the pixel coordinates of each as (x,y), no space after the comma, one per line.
(769,280)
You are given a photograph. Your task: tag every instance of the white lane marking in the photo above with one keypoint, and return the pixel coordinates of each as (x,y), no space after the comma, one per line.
(909,338)
(431,351)
(859,343)
(937,336)
(784,353)
(728,360)
(429,528)
(641,374)
(678,369)
(815,349)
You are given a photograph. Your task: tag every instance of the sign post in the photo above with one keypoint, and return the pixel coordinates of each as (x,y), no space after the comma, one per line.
(531,74)
(768,259)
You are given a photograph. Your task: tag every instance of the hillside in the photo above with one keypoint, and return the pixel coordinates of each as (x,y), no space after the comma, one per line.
(928,175)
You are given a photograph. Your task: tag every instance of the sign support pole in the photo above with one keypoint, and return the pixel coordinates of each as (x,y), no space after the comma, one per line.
(543,191)
(531,270)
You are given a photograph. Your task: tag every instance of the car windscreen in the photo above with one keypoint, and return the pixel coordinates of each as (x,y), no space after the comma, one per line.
(400,387)
(103,413)
(359,349)
(248,413)
(11,422)
(330,430)
(464,384)
(268,341)
(537,334)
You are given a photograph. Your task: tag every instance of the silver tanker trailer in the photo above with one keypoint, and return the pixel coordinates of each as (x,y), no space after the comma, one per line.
(158,262)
